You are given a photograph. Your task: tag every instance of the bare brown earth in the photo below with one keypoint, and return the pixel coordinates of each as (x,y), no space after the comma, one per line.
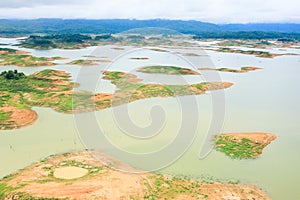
(16,52)
(87,62)
(217,85)
(18,117)
(102,182)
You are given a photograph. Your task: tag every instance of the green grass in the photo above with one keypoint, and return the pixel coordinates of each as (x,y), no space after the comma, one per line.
(24,60)
(4,116)
(235,149)
(167,70)
(45,89)
(163,188)
(5,190)
(261,54)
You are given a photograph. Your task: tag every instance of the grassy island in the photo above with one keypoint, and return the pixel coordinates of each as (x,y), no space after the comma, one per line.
(170,70)
(139,58)
(85,177)
(243,145)
(84,62)
(261,54)
(23,59)
(242,70)
(53,89)
(261,44)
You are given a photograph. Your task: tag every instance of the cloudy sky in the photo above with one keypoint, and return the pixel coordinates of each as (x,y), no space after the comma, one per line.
(216,11)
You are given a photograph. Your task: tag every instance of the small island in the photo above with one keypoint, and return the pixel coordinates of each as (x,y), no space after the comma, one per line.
(243,145)
(85,62)
(79,175)
(242,70)
(261,54)
(139,58)
(170,70)
(191,54)
(23,59)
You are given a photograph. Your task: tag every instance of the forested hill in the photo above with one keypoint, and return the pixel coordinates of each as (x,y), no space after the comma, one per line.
(51,26)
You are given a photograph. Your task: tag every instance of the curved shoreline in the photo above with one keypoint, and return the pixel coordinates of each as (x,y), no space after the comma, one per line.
(18,118)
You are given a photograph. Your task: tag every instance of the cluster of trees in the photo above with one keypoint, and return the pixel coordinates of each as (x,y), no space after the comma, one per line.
(12,75)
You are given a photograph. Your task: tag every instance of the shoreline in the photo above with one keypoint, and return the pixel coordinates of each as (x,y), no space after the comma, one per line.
(101,181)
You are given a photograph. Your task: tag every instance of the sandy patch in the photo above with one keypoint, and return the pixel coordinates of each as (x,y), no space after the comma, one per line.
(18,118)
(69,172)
(108,183)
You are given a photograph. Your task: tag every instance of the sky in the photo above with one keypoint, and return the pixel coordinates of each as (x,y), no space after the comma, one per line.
(215,11)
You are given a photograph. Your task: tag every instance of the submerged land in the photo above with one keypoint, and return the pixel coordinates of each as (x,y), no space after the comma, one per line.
(225,69)
(54,89)
(170,70)
(80,175)
(23,59)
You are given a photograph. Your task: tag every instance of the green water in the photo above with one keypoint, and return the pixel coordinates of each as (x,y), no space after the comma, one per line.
(265,101)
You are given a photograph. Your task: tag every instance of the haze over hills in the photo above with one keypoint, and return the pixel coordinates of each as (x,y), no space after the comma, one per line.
(53,26)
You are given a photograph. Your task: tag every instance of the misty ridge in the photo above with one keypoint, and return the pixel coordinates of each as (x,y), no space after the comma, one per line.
(86,26)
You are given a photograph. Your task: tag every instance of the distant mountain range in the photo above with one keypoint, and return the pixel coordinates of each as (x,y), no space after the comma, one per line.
(54,26)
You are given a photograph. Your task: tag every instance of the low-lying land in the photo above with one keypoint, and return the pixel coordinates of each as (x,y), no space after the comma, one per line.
(261,54)
(79,41)
(64,41)
(53,89)
(139,58)
(261,44)
(130,88)
(170,70)
(242,70)
(23,59)
(243,145)
(84,62)
(89,178)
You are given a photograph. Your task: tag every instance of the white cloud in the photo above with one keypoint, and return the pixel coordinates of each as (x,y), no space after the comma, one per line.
(218,11)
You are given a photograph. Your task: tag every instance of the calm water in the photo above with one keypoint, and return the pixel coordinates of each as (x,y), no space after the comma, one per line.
(266,100)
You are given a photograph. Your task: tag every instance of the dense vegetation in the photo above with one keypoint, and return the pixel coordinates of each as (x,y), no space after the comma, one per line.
(249,35)
(70,41)
(78,41)
(51,26)
(12,74)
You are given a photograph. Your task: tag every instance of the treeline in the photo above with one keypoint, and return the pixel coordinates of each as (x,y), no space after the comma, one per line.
(249,35)
(12,75)
(55,40)
(77,26)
